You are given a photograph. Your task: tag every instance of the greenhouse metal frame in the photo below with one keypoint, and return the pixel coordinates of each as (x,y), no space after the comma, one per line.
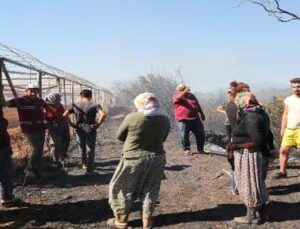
(19,68)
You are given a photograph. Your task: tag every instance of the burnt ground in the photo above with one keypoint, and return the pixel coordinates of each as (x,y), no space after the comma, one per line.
(195,193)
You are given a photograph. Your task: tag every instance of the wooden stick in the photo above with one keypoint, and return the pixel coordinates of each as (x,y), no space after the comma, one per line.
(219,175)
(227,172)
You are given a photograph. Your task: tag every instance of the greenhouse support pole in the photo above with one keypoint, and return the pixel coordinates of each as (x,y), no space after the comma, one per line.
(58,85)
(40,84)
(65,93)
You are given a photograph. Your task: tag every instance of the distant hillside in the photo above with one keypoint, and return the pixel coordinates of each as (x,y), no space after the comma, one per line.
(267,94)
(215,120)
(263,94)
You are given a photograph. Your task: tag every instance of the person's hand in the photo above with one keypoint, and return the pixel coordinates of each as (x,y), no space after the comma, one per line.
(282,130)
(73,125)
(231,146)
(220,109)
(95,126)
(202,117)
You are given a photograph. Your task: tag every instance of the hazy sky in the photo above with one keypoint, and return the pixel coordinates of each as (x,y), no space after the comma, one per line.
(211,41)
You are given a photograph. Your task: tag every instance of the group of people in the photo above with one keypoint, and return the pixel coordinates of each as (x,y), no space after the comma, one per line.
(38,117)
(251,145)
(141,168)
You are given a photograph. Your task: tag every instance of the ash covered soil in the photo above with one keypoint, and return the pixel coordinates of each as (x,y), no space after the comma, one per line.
(195,194)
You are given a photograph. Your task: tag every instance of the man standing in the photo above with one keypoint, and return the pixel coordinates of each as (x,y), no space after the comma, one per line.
(31,117)
(187,110)
(290,127)
(6,166)
(86,125)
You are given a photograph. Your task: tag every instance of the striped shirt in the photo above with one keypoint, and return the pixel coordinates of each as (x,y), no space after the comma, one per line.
(31,114)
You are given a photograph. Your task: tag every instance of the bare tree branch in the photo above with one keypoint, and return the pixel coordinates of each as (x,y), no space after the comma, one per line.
(274,9)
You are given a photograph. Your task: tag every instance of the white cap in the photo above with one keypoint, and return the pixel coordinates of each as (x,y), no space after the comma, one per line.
(180,87)
(32,86)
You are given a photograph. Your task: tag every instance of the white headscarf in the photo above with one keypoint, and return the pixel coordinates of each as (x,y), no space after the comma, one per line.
(53,98)
(148,104)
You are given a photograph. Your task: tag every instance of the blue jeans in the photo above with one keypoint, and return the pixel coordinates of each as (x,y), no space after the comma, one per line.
(6,174)
(87,142)
(196,127)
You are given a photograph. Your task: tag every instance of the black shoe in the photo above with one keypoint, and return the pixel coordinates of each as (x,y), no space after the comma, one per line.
(279,176)
(90,173)
(11,202)
(203,152)
(33,173)
(57,164)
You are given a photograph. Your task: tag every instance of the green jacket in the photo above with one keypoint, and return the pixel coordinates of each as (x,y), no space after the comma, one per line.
(143,135)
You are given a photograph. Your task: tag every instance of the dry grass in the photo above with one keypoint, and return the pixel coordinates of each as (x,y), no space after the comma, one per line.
(19,143)
(11,115)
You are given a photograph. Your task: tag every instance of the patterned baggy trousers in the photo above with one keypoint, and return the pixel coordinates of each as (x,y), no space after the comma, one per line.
(136,178)
(250,177)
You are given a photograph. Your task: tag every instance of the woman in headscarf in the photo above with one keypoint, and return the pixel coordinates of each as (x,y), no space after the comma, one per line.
(58,130)
(231,110)
(140,171)
(251,142)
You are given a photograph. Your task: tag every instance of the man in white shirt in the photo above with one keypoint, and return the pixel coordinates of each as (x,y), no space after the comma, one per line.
(290,127)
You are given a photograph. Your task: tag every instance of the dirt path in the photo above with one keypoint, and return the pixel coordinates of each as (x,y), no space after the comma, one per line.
(195,194)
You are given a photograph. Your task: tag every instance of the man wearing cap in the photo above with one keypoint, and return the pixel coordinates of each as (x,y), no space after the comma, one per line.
(31,117)
(187,110)
(86,125)
(290,127)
